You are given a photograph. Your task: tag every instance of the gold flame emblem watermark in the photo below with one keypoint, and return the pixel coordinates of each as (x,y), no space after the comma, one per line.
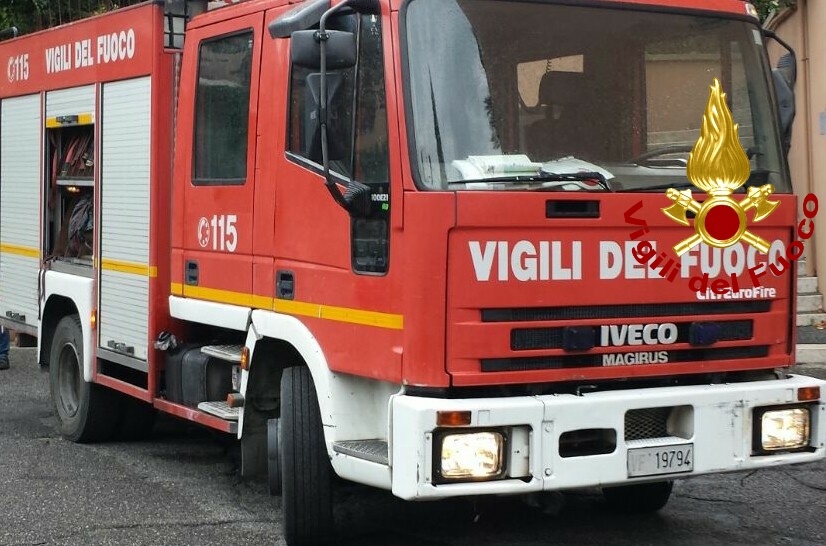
(718,165)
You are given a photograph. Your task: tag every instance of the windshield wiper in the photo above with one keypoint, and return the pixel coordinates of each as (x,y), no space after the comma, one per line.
(758,177)
(542,177)
(679,186)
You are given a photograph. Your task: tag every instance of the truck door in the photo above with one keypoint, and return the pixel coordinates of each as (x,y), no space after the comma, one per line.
(217,225)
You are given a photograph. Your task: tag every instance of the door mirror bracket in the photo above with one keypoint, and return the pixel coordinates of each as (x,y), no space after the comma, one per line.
(334,49)
(784,77)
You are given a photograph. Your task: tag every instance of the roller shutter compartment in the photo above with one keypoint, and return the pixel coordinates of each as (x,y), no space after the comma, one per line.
(20,123)
(125,176)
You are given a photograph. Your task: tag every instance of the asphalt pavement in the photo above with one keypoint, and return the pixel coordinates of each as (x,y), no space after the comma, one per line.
(182,486)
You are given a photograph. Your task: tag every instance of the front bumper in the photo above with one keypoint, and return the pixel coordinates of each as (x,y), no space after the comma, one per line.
(720,430)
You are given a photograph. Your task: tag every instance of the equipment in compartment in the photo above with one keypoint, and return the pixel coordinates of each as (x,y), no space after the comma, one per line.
(71,155)
(76,157)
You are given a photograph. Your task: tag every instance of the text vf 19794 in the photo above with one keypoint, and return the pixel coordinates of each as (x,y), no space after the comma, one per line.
(645,253)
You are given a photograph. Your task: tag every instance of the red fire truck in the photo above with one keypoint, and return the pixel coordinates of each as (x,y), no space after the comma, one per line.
(388,240)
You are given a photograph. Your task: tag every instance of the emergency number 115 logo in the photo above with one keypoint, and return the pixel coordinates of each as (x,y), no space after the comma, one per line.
(221,230)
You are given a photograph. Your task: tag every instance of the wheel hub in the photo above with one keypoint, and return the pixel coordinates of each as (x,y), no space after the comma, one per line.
(69,379)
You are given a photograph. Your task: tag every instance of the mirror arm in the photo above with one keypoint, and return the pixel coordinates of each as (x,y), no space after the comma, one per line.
(322,36)
(771,34)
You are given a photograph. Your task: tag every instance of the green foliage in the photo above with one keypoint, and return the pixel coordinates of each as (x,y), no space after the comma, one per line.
(765,7)
(32,15)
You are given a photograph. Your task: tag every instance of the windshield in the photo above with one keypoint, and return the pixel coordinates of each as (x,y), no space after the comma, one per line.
(506,95)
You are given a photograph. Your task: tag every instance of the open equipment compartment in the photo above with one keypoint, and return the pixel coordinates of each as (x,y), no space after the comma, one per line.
(70,188)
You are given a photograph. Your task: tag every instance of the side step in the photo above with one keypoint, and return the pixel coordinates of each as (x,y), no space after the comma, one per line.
(374,451)
(230,353)
(219,409)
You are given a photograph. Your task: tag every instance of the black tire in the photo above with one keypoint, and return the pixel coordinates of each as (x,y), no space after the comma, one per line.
(273,457)
(306,472)
(85,412)
(640,498)
(137,419)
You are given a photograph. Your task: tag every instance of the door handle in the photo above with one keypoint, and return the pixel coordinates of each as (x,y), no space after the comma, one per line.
(191,273)
(284,285)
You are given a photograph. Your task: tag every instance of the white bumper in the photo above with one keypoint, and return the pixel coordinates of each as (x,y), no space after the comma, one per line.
(720,416)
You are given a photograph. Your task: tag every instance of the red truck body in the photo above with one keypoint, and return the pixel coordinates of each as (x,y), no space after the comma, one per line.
(220,264)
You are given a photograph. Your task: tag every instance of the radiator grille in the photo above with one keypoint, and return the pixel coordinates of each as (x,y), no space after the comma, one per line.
(596,360)
(625,311)
(642,424)
(527,339)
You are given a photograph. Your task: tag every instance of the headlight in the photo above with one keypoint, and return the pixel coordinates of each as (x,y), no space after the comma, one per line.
(784,429)
(471,455)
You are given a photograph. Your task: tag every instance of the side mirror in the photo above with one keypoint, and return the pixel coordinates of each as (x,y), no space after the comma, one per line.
(784,77)
(336,146)
(305,49)
(326,50)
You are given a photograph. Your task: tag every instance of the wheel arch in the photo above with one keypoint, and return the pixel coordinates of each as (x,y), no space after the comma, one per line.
(55,309)
(67,294)
(351,407)
(283,341)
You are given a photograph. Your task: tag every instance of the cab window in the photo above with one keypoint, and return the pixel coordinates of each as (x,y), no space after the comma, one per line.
(222,110)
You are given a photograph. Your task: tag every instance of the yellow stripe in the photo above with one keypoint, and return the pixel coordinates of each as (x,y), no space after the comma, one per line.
(261,302)
(19,250)
(220,296)
(82,119)
(327,312)
(341,314)
(130,268)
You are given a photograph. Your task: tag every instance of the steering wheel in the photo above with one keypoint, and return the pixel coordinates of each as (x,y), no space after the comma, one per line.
(665,150)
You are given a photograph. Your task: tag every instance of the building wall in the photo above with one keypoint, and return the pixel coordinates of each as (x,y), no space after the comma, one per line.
(804,28)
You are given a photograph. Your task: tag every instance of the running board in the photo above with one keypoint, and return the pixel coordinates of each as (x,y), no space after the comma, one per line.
(374,451)
(230,353)
(192,414)
(220,409)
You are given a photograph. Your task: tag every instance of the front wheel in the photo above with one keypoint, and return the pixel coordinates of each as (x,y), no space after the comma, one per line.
(306,472)
(85,412)
(639,498)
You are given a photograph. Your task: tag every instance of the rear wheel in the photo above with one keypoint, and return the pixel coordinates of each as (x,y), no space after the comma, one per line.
(638,498)
(85,412)
(306,472)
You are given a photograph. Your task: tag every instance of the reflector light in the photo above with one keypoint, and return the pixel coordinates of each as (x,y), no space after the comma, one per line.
(805,394)
(245,358)
(93,319)
(452,418)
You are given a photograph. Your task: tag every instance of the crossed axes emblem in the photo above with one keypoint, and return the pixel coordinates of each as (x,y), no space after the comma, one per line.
(756,198)
(718,165)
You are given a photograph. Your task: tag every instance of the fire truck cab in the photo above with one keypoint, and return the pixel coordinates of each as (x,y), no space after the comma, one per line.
(394,241)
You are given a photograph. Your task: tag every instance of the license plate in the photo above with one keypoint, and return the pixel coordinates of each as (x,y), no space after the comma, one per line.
(651,461)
